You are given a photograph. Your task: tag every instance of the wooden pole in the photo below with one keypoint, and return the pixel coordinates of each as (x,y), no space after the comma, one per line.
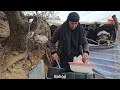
(117,29)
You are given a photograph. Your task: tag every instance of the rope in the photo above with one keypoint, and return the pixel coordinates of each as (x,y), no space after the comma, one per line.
(46,52)
(27,41)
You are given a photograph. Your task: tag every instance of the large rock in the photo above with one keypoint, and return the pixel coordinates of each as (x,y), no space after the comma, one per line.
(43,29)
(42,39)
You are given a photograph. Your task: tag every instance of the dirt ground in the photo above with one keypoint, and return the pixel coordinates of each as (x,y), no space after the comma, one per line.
(20,69)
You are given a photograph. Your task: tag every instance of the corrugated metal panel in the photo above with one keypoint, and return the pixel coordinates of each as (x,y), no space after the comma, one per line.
(107,62)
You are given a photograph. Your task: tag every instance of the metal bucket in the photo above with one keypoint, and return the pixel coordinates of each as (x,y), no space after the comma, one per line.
(55,72)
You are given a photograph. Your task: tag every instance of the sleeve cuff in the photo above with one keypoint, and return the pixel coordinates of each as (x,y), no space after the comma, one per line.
(53,52)
(86,52)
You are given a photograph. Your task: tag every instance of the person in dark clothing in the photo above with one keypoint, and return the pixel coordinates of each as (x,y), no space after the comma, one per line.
(53,28)
(71,42)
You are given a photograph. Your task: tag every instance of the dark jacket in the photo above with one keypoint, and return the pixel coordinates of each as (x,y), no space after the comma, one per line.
(70,43)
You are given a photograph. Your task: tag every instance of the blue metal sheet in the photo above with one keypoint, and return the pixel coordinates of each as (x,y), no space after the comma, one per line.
(38,72)
(106,60)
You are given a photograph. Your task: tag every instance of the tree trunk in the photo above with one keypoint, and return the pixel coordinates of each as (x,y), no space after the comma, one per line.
(18,31)
(16,43)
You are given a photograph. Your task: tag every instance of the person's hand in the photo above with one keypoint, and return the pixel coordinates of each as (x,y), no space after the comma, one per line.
(55,57)
(85,57)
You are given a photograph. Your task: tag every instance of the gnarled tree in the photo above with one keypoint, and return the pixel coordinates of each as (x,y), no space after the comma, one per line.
(16,48)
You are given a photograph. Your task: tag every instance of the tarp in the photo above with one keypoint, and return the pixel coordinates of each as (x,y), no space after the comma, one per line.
(107,62)
(100,16)
(88,17)
(91,16)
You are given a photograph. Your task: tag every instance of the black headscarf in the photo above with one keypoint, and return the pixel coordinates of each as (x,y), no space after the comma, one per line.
(73,17)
